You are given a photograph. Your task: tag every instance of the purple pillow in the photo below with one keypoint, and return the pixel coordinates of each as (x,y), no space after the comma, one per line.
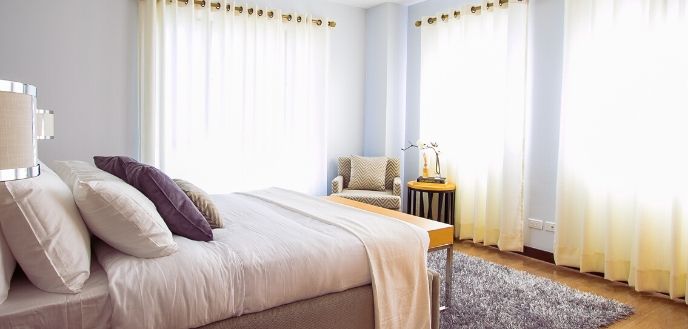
(114,165)
(179,213)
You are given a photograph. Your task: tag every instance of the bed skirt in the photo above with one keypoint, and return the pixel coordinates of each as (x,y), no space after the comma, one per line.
(349,309)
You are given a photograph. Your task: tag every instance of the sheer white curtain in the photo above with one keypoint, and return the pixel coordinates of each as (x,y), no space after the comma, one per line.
(623,163)
(234,101)
(473,72)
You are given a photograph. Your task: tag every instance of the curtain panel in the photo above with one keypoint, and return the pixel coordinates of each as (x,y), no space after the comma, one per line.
(472,102)
(233,101)
(622,203)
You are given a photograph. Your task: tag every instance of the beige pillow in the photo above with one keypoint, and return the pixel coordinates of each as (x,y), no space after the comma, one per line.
(8,264)
(116,212)
(45,232)
(202,202)
(368,173)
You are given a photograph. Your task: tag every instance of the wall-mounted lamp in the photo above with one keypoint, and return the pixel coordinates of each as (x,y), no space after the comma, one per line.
(45,124)
(21,125)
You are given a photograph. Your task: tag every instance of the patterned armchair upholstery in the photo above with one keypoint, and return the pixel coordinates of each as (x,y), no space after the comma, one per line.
(390,198)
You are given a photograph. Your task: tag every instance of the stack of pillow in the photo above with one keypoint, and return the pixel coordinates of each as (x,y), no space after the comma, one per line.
(133,207)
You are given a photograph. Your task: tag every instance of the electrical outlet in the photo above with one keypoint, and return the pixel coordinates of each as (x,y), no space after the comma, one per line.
(550,226)
(535,223)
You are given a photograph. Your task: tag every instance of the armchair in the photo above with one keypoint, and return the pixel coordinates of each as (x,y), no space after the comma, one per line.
(390,198)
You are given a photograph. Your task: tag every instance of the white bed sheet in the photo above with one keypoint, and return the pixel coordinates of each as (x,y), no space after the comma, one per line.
(265,256)
(29,307)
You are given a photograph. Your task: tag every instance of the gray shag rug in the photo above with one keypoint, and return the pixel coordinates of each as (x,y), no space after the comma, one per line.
(488,295)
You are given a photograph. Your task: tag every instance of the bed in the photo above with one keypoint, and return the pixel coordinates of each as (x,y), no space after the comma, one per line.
(283,268)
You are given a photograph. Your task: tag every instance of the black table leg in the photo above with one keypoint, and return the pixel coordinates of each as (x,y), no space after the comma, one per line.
(421,204)
(430,196)
(440,204)
(408,200)
(453,208)
(412,195)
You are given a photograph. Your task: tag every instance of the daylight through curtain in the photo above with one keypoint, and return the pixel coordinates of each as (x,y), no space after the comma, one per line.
(623,166)
(233,101)
(473,83)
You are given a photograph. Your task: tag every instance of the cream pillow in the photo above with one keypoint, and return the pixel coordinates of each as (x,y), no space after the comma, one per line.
(116,212)
(45,232)
(8,264)
(368,173)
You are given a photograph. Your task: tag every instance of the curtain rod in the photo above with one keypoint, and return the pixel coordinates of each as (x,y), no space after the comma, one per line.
(259,12)
(457,13)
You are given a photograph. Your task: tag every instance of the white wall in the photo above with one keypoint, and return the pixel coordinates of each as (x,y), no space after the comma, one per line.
(82,56)
(545,40)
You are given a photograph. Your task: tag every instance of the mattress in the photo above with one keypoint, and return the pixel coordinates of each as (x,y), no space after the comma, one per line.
(264,257)
(29,307)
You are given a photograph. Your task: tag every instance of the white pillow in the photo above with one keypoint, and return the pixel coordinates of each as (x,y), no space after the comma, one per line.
(8,264)
(117,212)
(45,232)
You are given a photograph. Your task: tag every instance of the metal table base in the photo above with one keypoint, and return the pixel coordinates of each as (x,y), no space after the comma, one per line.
(449,272)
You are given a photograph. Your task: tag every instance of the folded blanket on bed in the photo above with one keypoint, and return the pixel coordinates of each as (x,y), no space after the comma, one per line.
(396,252)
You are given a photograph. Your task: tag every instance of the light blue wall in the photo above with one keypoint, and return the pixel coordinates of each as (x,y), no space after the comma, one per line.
(545,39)
(385,100)
(545,61)
(376,48)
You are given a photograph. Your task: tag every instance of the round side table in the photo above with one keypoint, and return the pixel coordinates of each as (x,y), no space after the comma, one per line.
(445,203)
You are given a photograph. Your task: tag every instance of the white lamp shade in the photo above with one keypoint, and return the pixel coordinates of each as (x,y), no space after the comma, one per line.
(45,124)
(18,159)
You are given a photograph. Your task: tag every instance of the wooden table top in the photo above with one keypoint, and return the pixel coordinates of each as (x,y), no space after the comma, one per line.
(434,187)
(441,234)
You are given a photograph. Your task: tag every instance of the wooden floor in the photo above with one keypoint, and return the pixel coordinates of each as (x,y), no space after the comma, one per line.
(651,310)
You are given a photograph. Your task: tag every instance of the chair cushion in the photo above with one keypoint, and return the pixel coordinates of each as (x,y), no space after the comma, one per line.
(384,199)
(368,173)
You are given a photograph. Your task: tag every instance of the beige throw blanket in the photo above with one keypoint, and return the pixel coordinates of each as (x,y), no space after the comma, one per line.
(396,251)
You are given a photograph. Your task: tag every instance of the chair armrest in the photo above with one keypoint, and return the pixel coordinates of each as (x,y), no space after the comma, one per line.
(396,189)
(337,184)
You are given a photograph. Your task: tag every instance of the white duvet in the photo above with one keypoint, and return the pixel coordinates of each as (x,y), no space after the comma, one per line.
(265,256)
